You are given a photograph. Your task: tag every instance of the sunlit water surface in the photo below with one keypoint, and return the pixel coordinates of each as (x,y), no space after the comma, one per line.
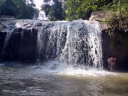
(31,80)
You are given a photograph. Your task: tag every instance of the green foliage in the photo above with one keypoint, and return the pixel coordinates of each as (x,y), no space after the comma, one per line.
(53,12)
(17,8)
(113,20)
(81,9)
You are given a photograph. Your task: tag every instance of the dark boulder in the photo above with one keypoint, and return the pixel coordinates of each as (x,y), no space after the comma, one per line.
(38,24)
(2,39)
(22,45)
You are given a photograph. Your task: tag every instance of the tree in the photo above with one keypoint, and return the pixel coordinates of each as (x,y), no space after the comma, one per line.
(54,11)
(81,9)
(17,8)
(120,16)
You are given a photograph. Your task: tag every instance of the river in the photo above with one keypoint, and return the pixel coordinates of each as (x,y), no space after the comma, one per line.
(31,80)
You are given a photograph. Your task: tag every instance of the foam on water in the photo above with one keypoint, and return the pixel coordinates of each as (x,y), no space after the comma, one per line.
(55,67)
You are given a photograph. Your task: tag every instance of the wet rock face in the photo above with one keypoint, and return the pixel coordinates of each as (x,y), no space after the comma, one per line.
(2,38)
(117,48)
(21,45)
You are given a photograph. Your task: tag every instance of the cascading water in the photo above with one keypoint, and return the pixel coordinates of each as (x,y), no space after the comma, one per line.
(76,43)
(63,44)
(83,44)
(9,29)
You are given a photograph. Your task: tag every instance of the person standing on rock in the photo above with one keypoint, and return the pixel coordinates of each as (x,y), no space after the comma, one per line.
(111,63)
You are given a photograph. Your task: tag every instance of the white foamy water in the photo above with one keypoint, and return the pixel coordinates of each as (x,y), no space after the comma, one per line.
(83,72)
(55,67)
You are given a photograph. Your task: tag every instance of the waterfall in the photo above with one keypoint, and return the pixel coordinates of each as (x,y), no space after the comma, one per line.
(77,43)
(83,45)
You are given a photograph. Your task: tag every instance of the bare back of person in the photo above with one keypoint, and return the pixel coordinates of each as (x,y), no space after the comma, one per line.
(111,63)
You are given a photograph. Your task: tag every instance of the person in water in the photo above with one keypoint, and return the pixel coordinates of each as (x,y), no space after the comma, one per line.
(111,63)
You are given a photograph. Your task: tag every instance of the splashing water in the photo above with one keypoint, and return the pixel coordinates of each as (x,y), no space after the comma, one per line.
(55,67)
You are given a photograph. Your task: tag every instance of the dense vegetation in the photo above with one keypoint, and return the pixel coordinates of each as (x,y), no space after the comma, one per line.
(81,9)
(69,9)
(17,8)
(116,12)
(72,9)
